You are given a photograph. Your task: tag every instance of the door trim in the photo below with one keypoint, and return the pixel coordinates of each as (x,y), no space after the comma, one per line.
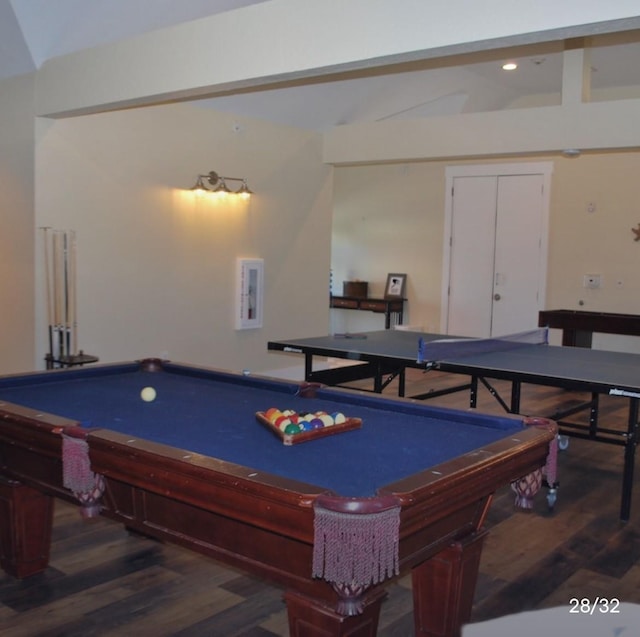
(493,170)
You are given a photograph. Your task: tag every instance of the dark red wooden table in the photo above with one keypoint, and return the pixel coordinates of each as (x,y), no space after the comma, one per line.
(409,490)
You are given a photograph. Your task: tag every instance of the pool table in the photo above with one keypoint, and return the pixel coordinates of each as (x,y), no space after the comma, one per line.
(331,520)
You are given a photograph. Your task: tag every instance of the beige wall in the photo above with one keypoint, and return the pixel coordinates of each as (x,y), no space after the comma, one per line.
(157,266)
(157,270)
(389,218)
(16,223)
(599,242)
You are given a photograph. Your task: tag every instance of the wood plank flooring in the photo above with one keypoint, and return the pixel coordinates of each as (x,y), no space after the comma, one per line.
(103,581)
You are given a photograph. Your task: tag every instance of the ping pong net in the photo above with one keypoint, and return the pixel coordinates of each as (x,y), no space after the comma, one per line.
(431,352)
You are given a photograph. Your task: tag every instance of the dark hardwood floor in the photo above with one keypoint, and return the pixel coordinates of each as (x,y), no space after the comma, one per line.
(104,581)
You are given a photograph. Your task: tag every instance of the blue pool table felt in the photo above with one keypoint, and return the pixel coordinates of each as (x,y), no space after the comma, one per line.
(217,419)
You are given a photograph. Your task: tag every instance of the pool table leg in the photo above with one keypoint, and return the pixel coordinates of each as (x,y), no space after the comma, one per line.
(26,520)
(310,618)
(444,586)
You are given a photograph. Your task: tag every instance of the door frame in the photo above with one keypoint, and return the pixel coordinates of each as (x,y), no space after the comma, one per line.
(494,170)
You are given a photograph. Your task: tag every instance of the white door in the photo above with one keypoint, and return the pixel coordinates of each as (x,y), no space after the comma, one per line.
(495,264)
(518,270)
(472,241)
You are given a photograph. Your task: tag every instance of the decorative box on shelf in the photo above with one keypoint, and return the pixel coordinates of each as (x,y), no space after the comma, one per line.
(357,289)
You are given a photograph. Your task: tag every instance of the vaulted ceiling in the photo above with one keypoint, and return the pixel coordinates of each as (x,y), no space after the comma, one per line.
(34,31)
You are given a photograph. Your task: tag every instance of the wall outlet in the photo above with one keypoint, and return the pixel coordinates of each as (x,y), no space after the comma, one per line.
(591,281)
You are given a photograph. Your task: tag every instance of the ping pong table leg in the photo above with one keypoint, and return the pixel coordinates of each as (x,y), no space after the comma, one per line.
(377,379)
(516,393)
(512,408)
(629,459)
(308,365)
(473,392)
(594,410)
(383,370)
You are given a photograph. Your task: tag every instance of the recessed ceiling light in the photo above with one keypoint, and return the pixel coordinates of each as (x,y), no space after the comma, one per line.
(509,66)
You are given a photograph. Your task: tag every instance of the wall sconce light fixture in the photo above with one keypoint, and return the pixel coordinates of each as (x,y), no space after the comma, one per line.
(218,185)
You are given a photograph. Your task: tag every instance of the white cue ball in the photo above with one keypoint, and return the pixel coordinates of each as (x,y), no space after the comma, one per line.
(148,394)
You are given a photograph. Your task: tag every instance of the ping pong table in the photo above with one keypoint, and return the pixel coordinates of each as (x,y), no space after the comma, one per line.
(525,358)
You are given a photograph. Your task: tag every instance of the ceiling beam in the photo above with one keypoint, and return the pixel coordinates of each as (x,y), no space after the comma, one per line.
(285,40)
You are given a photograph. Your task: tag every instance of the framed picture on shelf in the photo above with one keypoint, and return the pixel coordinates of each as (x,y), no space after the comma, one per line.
(396,286)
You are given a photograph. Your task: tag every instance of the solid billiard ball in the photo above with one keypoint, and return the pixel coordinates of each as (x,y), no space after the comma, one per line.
(148,394)
(272,413)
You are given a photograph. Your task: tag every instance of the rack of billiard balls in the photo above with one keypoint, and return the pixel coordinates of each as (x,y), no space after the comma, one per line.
(293,427)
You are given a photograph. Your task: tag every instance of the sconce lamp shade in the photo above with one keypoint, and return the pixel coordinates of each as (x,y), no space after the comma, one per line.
(222,187)
(199,185)
(244,190)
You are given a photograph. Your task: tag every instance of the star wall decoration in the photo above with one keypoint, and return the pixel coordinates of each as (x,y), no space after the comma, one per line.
(636,231)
